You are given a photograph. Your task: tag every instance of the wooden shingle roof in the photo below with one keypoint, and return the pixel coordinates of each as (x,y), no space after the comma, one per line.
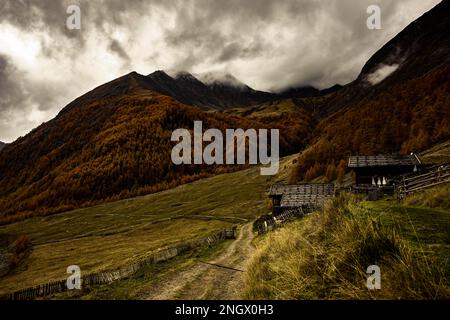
(299,200)
(302,189)
(383,160)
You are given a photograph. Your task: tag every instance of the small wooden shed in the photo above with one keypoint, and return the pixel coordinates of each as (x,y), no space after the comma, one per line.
(306,197)
(379,170)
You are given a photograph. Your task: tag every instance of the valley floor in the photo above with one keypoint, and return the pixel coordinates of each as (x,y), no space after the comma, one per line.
(320,256)
(112,235)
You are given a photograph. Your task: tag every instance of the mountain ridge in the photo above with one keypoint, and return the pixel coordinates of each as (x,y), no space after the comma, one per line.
(114,148)
(412,51)
(405,110)
(208,95)
(114,141)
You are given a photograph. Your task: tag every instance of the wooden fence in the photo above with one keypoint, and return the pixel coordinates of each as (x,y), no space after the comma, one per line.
(269,222)
(121,273)
(428,178)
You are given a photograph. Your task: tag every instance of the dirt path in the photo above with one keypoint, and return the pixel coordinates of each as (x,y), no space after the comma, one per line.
(205,281)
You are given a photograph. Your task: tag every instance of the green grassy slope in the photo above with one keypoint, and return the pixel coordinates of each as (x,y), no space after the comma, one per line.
(325,255)
(427,229)
(440,153)
(113,234)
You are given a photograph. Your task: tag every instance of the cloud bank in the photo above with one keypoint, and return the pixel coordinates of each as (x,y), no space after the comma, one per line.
(381,73)
(266,44)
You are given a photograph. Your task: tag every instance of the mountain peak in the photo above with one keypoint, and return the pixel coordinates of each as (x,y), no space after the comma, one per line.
(222,79)
(210,91)
(159,74)
(185,76)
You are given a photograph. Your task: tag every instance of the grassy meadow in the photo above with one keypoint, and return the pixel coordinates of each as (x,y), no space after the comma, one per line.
(107,236)
(325,255)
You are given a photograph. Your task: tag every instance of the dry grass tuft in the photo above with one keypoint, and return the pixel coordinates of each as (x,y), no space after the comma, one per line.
(438,197)
(325,256)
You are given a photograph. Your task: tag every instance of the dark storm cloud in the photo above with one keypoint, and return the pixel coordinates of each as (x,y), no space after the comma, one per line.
(10,90)
(267,44)
(31,14)
(219,31)
(117,48)
(236,50)
(199,24)
(51,16)
(38,15)
(16,95)
(11,96)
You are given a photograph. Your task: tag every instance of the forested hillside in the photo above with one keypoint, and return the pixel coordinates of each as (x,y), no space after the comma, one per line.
(408,117)
(399,102)
(111,148)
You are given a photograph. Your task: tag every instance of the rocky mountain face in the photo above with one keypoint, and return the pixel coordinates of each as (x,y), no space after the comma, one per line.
(212,94)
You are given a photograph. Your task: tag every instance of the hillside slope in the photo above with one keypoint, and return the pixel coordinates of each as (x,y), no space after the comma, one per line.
(326,255)
(114,234)
(112,143)
(406,111)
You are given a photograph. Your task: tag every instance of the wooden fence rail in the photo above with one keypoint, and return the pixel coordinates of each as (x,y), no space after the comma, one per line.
(269,222)
(434,176)
(121,273)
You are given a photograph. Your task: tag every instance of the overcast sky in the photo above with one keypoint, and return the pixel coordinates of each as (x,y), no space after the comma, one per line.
(268,44)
